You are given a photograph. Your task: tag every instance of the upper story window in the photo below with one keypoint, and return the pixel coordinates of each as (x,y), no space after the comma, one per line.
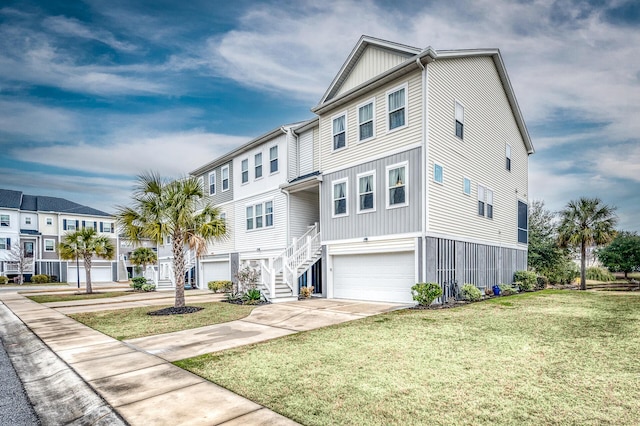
(88,224)
(212,183)
(366,126)
(225,178)
(27,221)
(69,225)
(5,220)
(167,240)
(249,218)
(223,217)
(480,200)
(245,170)
(340,198)
(438,173)
(268,213)
(259,215)
(397,186)
(49,221)
(5,243)
(340,131)
(508,156)
(397,107)
(49,245)
(258,165)
(522,222)
(106,227)
(459,120)
(366,192)
(485,201)
(273,159)
(466,186)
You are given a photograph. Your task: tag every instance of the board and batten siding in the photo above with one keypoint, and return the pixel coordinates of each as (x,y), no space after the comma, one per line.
(488,126)
(384,141)
(382,221)
(220,196)
(305,153)
(265,239)
(373,62)
(304,210)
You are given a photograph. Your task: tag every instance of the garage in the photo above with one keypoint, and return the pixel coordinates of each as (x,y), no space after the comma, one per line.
(215,271)
(385,277)
(98,274)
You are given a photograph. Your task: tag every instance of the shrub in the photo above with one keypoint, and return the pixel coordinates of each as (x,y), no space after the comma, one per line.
(527,280)
(599,274)
(507,290)
(426,293)
(471,293)
(564,275)
(541,282)
(306,292)
(40,279)
(252,296)
(220,286)
(4,280)
(138,282)
(148,287)
(248,278)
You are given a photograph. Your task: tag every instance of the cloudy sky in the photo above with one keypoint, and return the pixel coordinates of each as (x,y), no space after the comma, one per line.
(94,92)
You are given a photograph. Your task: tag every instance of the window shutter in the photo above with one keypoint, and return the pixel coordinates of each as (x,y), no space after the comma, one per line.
(8,243)
(113,228)
(77,224)
(84,224)
(101,226)
(95,225)
(64,224)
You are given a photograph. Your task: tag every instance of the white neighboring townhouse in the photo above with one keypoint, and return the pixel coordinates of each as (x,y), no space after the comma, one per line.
(414,169)
(38,223)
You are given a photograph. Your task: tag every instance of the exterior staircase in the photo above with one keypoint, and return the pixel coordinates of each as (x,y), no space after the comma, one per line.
(169,283)
(279,275)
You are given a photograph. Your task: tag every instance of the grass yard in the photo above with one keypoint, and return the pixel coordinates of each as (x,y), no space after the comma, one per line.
(551,357)
(125,324)
(47,298)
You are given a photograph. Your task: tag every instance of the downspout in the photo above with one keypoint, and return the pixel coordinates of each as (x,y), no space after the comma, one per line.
(425,191)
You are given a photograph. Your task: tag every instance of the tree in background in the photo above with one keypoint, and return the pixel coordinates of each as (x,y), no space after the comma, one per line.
(18,256)
(85,243)
(176,209)
(583,223)
(143,256)
(623,254)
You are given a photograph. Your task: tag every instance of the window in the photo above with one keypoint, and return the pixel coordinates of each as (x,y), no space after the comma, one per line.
(225,178)
(340,198)
(273,159)
(485,201)
(268,213)
(69,225)
(249,218)
(245,170)
(5,243)
(438,173)
(480,200)
(522,222)
(260,215)
(89,224)
(340,131)
(258,165)
(212,183)
(167,240)
(5,220)
(365,121)
(49,221)
(223,217)
(466,185)
(106,227)
(459,120)
(396,107)
(508,156)
(27,221)
(489,199)
(397,186)
(366,192)
(49,245)
(258,210)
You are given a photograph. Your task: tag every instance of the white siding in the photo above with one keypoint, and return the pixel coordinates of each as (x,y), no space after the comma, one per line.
(373,62)
(305,153)
(33,218)
(304,210)
(265,239)
(226,245)
(488,126)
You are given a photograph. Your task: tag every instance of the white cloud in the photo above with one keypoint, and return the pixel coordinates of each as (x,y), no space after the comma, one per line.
(74,28)
(35,122)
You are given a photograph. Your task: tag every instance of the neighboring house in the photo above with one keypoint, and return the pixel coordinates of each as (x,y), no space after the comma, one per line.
(37,224)
(415,169)
(126,269)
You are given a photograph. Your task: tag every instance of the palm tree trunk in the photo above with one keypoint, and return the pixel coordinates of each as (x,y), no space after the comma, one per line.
(87,271)
(178,268)
(583,269)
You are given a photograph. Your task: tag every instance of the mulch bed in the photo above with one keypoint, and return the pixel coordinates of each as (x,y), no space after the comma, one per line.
(176,311)
(240,302)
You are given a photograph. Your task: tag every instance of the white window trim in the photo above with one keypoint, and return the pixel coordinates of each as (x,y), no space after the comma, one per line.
(456,101)
(45,245)
(434,173)
(484,200)
(373,119)
(277,158)
(242,182)
(404,86)
(404,164)
(255,166)
(346,197)
(264,215)
(47,220)
(222,178)
(468,194)
(358,176)
(215,187)
(346,131)
(8,225)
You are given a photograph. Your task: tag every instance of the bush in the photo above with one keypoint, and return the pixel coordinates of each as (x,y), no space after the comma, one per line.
(4,280)
(599,274)
(541,282)
(306,292)
(507,290)
(252,296)
(471,293)
(138,282)
(564,275)
(527,280)
(220,286)
(148,287)
(426,293)
(40,279)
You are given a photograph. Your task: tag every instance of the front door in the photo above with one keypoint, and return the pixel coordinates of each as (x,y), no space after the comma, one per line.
(28,249)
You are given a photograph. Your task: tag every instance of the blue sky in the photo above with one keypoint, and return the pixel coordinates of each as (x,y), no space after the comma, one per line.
(93,92)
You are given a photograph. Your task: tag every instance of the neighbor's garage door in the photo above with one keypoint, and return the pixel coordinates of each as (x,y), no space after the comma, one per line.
(215,271)
(98,274)
(386,277)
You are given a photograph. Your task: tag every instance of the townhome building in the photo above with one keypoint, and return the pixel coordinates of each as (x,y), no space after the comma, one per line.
(36,225)
(414,168)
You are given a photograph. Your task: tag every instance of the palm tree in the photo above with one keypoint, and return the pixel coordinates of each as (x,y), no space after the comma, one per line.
(86,243)
(583,223)
(143,256)
(175,209)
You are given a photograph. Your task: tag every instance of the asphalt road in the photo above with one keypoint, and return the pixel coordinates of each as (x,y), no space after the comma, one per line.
(15,408)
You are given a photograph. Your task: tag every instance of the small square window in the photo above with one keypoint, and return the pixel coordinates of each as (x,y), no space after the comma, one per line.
(5,220)
(438,173)
(49,221)
(27,221)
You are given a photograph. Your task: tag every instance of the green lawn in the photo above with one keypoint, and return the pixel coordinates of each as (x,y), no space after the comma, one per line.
(125,324)
(552,357)
(47,298)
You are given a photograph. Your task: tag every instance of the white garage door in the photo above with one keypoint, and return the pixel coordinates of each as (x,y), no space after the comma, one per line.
(98,274)
(215,271)
(386,277)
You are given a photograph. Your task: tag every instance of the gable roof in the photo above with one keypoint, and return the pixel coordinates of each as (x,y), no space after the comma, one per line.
(39,203)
